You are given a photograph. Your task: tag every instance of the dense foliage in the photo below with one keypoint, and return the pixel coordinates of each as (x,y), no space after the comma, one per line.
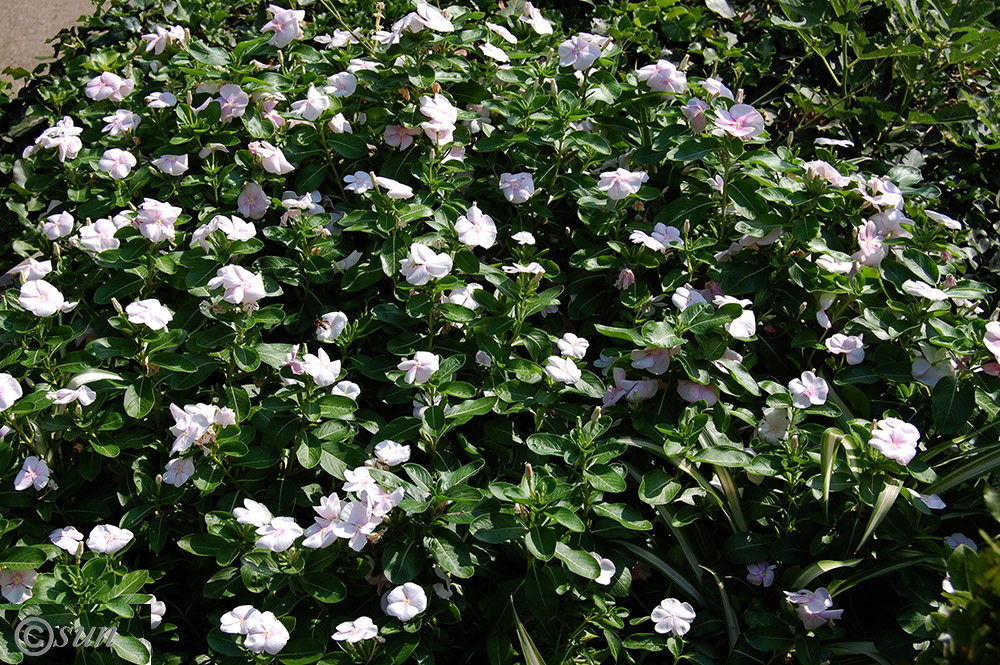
(501,336)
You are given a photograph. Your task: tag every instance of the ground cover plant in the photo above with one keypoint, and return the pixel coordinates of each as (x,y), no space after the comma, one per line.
(490,334)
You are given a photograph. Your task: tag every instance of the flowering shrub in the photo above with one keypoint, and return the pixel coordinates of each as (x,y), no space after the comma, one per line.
(469,334)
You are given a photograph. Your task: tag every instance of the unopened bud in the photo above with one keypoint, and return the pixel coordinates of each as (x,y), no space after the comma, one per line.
(802,307)
(117,305)
(158,480)
(596,414)
(687,226)
(529,473)
(685,62)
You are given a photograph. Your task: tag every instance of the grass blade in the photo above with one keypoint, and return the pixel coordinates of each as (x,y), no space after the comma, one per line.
(528,648)
(882,505)
(815,570)
(828,457)
(668,571)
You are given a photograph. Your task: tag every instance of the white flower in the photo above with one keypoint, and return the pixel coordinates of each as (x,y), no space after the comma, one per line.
(663,77)
(808,390)
(161,100)
(761,573)
(34,472)
(853,346)
(534,18)
(108,539)
(236,621)
(340,85)
(30,269)
(84,394)
(254,513)
(405,602)
(278,535)
(67,538)
(673,616)
(178,471)
(684,297)
(517,187)
(563,369)
(321,368)
(494,52)
(109,86)
(313,105)
(956,540)
(120,122)
(464,296)
(271,157)
(895,439)
(99,236)
(359,182)
(662,239)
(57,226)
(654,361)
(361,628)
(420,368)
(347,389)
(174,165)
(286,24)
(620,183)
(607,569)
(476,228)
(715,88)
(330,326)
(339,125)
(944,220)
(16,585)
(573,346)
(504,33)
(241,286)
(774,426)
(150,312)
(523,238)
(41,298)
(157,608)
(814,607)
(265,633)
(156,220)
(391,453)
(424,264)
(580,51)
(743,327)
(923,290)
(190,424)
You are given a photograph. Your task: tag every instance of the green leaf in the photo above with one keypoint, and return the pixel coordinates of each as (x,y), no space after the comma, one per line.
(302,651)
(350,146)
(173,361)
(324,587)
(402,561)
(450,553)
(605,478)
(692,149)
(578,561)
(624,514)
(130,649)
(541,542)
(953,402)
(814,570)
(882,505)
(658,488)
(726,456)
(22,557)
(496,528)
(567,518)
(139,398)
(828,456)
(208,55)
(528,649)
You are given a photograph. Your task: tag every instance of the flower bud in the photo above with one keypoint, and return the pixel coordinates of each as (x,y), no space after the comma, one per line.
(118,306)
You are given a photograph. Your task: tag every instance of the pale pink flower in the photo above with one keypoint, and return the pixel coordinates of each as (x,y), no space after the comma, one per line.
(563,369)
(313,105)
(741,121)
(108,539)
(236,622)
(265,633)
(523,238)
(820,170)
(278,535)
(84,395)
(517,187)
(150,312)
(761,573)
(871,251)
(64,137)
(572,346)
(534,18)
(607,569)
(504,33)
(156,220)
(852,346)
(813,608)
(117,163)
(464,297)
(271,157)
(685,296)
(286,24)
(178,471)
(109,86)
(654,361)
(673,616)
(233,227)
(16,585)
(67,538)
(339,125)
(991,340)
(581,51)
(663,76)
(10,392)
(391,453)
(626,278)
(809,390)
(34,472)
(694,111)
(321,368)
(423,264)
(233,101)
(441,118)
(58,226)
(420,368)
(31,269)
(405,602)
(252,201)
(661,239)
(476,228)
(715,88)
(695,392)
(41,298)
(895,439)
(253,513)
(631,390)
(743,327)
(362,628)
(341,85)
(923,290)
(494,52)
(621,183)
(432,18)
(241,286)
(174,165)
(330,326)
(956,540)
(120,122)
(399,136)
(355,524)
(99,236)
(161,100)
(944,220)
